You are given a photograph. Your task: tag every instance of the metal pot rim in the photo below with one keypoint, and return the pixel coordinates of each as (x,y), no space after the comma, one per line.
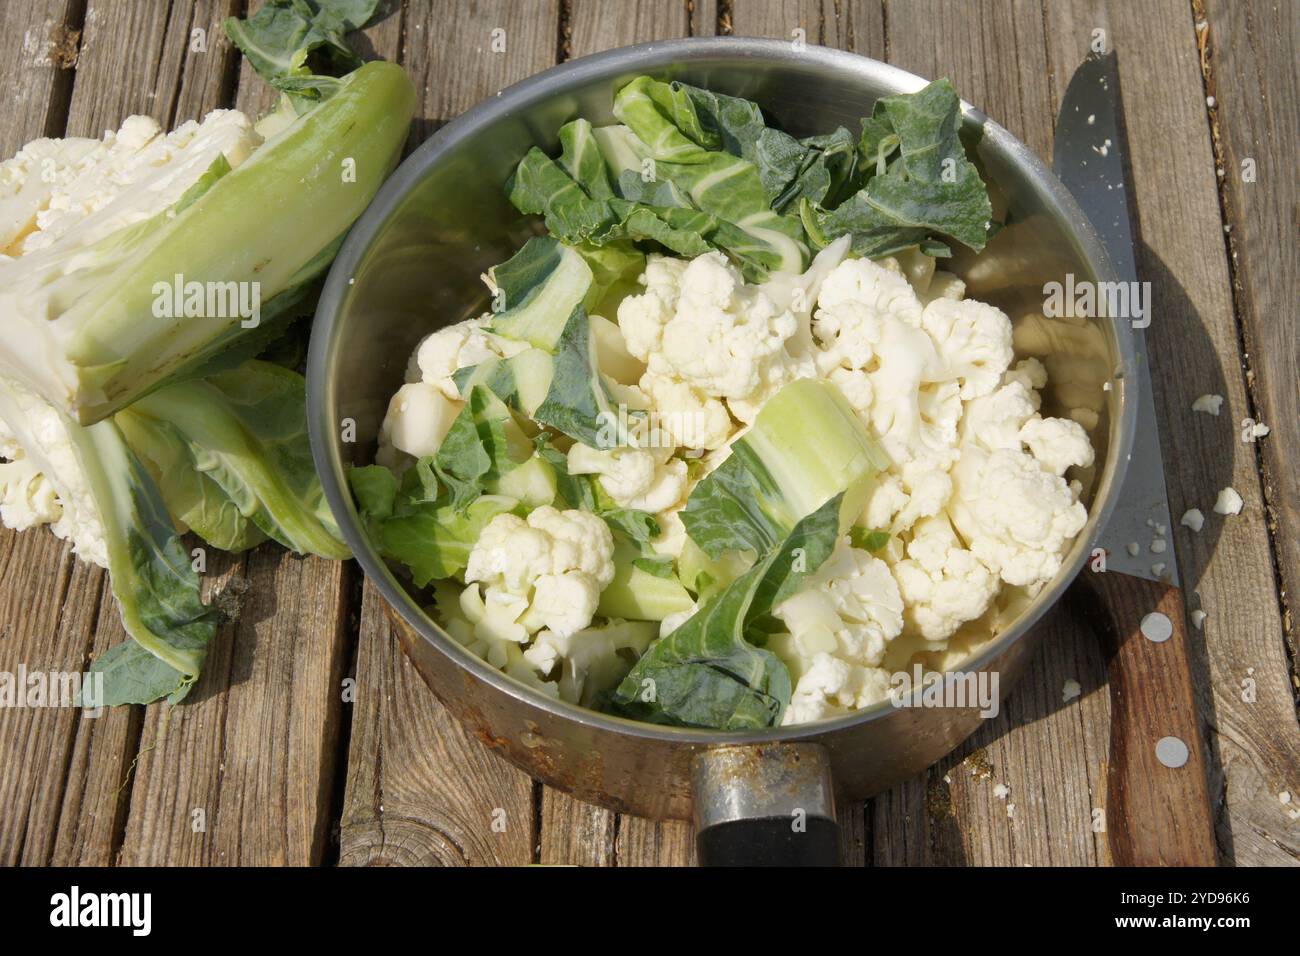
(647,57)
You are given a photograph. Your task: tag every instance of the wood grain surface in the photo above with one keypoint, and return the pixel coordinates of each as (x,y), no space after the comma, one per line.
(311,739)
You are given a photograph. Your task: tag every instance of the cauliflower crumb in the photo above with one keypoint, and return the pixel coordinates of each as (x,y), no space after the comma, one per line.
(1228,502)
(1070,690)
(1192,518)
(1001,791)
(1209,404)
(1198,619)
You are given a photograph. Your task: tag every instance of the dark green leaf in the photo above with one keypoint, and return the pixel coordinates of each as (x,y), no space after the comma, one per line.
(918,180)
(708,672)
(299,46)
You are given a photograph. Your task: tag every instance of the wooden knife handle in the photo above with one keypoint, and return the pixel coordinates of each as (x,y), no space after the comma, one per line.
(1159,808)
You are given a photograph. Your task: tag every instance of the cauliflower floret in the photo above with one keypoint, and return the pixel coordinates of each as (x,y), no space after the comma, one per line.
(546,571)
(1028,372)
(995,420)
(856,297)
(829,686)
(700,325)
(27,498)
(693,420)
(886,499)
(942,285)
(442,353)
(943,585)
(565,603)
(928,491)
(1057,443)
(511,553)
(580,541)
(974,341)
(643,479)
(913,411)
(1017,516)
(641,318)
(839,627)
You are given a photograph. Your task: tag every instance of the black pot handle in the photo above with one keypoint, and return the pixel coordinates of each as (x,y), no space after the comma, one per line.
(767,805)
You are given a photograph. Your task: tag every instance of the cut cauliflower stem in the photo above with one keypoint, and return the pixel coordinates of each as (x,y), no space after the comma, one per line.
(422,411)
(543,572)
(839,627)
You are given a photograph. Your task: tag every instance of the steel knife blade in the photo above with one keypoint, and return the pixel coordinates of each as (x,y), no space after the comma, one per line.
(1088,157)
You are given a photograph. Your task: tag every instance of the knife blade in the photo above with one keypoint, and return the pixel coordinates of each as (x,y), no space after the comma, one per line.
(1088,157)
(1157,795)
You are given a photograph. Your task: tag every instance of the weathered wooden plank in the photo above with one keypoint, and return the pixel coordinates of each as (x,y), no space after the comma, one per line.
(419,789)
(241,774)
(856,25)
(41,39)
(575,833)
(1245,691)
(594,26)
(644,842)
(1250,69)
(1048,753)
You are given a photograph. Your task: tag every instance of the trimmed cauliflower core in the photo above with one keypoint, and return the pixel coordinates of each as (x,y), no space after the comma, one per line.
(59,196)
(976,499)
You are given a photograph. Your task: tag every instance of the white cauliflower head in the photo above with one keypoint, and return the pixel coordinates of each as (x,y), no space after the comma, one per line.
(691,418)
(856,298)
(700,325)
(1058,443)
(441,354)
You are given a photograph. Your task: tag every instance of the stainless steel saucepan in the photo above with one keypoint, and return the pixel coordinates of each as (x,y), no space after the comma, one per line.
(412,264)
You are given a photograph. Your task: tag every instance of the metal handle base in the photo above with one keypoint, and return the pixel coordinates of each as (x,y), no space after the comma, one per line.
(770,805)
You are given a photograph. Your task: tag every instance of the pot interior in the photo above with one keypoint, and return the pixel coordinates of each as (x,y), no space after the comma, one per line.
(413,264)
